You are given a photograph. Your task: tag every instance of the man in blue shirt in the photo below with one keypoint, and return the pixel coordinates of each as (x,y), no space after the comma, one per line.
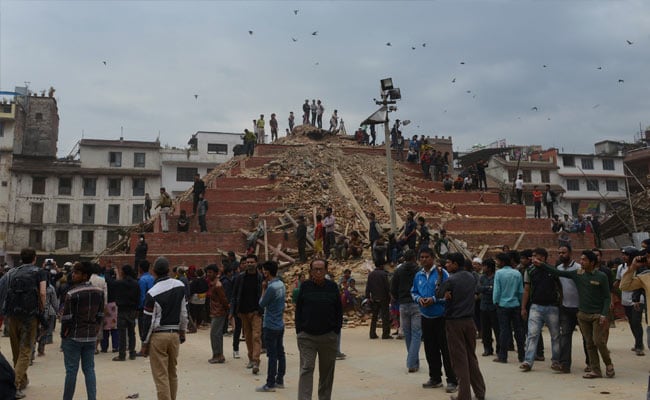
(145,282)
(273,298)
(507,293)
(432,309)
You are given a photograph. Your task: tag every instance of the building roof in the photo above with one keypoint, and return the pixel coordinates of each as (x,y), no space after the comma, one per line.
(590,175)
(527,164)
(119,143)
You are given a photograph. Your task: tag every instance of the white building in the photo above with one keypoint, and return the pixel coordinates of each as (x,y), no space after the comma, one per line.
(75,207)
(205,151)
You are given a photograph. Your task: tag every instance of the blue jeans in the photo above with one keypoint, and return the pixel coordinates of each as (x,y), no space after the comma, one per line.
(509,321)
(537,317)
(275,353)
(411,323)
(73,351)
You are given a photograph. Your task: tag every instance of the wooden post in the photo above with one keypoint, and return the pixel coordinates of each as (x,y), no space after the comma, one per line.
(266,242)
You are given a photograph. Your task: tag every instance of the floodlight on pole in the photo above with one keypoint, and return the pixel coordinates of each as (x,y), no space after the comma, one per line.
(386,84)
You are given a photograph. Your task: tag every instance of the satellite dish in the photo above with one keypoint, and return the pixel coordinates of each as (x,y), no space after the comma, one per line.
(406,122)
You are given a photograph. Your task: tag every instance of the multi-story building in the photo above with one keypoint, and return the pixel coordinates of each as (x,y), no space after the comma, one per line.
(77,205)
(206,149)
(585,183)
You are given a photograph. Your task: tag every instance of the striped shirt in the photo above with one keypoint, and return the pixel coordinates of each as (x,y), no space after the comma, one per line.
(165,307)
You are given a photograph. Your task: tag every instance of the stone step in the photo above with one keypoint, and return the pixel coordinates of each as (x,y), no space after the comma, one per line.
(497,224)
(188,242)
(530,240)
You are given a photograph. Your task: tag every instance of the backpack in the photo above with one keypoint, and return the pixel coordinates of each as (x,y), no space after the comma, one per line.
(22,294)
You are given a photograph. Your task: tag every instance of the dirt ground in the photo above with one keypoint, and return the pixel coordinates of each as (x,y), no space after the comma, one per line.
(374,369)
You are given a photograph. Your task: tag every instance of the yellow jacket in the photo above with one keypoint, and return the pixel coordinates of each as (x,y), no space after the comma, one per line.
(630,282)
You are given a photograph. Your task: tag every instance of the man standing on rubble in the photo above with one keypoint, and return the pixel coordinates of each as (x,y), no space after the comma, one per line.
(197,189)
(328,223)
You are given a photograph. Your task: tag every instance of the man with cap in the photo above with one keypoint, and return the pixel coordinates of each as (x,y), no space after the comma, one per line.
(631,301)
(634,278)
(409,311)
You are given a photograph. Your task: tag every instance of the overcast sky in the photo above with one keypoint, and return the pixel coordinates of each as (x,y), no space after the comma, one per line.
(160,54)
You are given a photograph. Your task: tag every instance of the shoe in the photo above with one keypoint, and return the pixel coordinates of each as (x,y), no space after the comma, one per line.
(451,388)
(587,369)
(609,371)
(133,356)
(487,353)
(374,337)
(591,375)
(256,369)
(431,384)
(639,352)
(498,360)
(217,360)
(387,337)
(400,336)
(235,354)
(20,394)
(340,356)
(264,388)
(119,358)
(540,358)
(414,369)
(250,365)
(561,369)
(525,367)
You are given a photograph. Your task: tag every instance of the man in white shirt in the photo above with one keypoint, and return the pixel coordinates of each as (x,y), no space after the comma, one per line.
(519,188)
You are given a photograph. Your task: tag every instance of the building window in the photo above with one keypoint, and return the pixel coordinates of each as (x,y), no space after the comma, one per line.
(546,176)
(38,185)
(115,159)
(138,186)
(568,161)
(527,176)
(185,174)
(138,213)
(575,208)
(138,160)
(572,184)
(65,186)
(90,186)
(112,237)
(5,183)
(608,164)
(592,185)
(587,163)
(215,148)
(611,185)
(88,216)
(36,239)
(60,239)
(87,239)
(115,187)
(63,213)
(2,129)
(39,116)
(113,214)
(37,213)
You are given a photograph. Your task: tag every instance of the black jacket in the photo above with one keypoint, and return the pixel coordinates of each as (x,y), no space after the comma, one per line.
(127,293)
(377,287)
(402,282)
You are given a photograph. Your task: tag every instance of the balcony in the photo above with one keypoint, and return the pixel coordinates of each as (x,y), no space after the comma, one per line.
(7,111)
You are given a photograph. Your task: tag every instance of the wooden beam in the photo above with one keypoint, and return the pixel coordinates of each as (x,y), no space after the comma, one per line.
(266,241)
(276,250)
(347,194)
(381,198)
(518,242)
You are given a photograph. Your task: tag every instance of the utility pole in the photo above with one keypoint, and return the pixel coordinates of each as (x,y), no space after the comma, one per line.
(389,95)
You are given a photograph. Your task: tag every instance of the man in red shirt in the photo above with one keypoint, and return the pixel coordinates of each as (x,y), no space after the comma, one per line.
(537,201)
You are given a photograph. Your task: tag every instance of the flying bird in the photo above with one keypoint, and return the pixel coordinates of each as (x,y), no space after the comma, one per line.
(295,12)
(104,62)
(544,66)
(196,96)
(462,63)
(412,48)
(250,32)
(453,80)
(630,43)
(294,39)
(424,45)
(534,109)
(621,81)
(314,33)
(316,63)
(469,91)
(599,68)
(388,44)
